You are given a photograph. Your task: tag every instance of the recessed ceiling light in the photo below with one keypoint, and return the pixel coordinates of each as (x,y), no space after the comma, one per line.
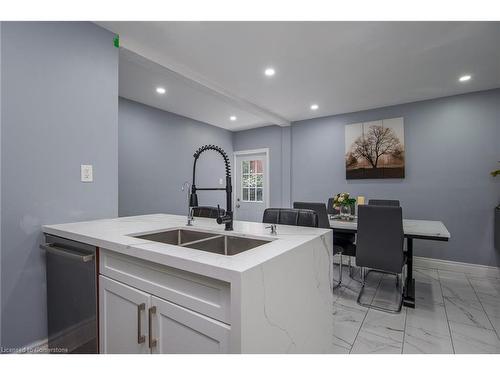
(465,78)
(269,72)
(314,107)
(233,118)
(161,90)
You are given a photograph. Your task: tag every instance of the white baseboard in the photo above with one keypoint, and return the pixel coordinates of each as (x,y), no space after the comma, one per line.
(63,342)
(72,337)
(448,265)
(444,265)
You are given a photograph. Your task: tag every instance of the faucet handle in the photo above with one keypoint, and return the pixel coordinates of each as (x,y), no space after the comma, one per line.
(273,228)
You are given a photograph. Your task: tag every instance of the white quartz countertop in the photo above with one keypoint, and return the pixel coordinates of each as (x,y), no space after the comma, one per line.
(115,235)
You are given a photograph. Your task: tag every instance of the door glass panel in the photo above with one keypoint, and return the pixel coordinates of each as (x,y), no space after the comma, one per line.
(252,195)
(251,181)
(244,180)
(259,194)
(245,194)
(245,166)
(258,166)
(259,180)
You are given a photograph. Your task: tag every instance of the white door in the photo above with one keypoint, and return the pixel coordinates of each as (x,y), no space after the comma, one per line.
(122,318)
(181,331)
(251,184)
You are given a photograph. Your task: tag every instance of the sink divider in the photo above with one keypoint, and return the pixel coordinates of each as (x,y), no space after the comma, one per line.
(205,239)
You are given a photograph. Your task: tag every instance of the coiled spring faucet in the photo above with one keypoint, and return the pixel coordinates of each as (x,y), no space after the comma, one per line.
(226,219)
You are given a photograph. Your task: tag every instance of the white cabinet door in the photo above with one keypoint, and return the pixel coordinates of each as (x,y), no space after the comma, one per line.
(179,330)
(123,313)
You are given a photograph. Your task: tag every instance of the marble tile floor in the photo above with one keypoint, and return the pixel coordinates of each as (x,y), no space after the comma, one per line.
(455,313)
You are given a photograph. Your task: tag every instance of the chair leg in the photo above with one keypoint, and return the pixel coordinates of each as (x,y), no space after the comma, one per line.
(340,268)
(352,270)
(339,283)
(369,305)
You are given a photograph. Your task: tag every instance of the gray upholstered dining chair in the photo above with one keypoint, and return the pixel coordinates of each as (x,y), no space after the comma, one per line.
(384,202)
(320,210)
(340,246)
(379,246)
(343,239)
(290,216)
(207,211)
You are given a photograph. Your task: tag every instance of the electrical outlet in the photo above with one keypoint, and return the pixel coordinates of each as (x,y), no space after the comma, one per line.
(221,181)
(86,173)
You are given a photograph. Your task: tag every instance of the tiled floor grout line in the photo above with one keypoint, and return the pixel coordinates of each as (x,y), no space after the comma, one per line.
(366,314)
(439,278)
(446,312)
(338,288)
(404,330)
(484,310)
(339,297)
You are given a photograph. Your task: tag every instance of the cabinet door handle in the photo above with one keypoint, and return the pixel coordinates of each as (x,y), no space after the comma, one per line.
(140,337)
(152,341)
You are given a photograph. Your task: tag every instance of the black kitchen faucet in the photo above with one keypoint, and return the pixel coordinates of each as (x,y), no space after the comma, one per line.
(226,219)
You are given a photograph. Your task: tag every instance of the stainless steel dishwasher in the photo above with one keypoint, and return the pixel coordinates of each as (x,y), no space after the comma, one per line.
(71,296)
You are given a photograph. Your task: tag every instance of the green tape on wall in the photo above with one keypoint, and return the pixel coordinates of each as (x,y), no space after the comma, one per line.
(116,41)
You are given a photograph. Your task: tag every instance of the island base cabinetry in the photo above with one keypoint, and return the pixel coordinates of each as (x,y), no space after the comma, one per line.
(133,321)
(179,330)
(122,318)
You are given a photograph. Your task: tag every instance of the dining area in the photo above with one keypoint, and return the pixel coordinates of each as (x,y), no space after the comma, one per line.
(383,301)
(374,236)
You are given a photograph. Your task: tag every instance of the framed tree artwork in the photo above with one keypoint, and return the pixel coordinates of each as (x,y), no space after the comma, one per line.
(375,149)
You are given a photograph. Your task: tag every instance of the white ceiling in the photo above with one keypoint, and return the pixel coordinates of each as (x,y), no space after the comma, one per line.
(139,77)
(215,69)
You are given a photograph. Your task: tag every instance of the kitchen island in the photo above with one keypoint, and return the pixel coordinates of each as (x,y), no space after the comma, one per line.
(213,291)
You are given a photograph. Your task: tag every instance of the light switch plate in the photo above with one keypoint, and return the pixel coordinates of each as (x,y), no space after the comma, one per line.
(221,181)
(86,173)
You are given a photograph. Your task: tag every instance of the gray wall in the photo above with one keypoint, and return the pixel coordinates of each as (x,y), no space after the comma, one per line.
(451,146)
(277,139)
(156,156)
(59,110)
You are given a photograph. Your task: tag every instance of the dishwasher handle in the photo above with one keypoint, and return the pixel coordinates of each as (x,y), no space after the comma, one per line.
(53,249)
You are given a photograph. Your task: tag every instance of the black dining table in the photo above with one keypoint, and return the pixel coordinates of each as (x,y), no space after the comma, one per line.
(413,229)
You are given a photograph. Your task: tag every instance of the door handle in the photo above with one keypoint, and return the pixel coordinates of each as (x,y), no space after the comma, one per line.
(140,337)
(51,248)
(152,341)
(238,205)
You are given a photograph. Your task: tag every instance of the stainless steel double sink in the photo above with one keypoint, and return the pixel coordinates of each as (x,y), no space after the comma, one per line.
(222,244)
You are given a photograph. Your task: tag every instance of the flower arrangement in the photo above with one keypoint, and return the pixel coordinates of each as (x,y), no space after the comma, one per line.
(342,199)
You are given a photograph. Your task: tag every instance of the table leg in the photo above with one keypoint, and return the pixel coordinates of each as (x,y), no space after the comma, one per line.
(409,290)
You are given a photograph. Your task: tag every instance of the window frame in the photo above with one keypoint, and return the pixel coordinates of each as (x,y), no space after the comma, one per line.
(254,188)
